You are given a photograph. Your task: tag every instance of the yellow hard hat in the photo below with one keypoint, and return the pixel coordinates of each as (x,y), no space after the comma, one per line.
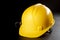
(36,20)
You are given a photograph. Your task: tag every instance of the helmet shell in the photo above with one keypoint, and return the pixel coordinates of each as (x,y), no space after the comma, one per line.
(36,20)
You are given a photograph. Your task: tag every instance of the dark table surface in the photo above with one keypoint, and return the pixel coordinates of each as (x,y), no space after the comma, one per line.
(55,35)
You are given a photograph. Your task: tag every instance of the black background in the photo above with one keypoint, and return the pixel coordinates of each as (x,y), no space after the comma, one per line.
(20,5)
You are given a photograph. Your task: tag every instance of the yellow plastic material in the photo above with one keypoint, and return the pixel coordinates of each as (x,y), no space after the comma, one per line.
(36,20)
